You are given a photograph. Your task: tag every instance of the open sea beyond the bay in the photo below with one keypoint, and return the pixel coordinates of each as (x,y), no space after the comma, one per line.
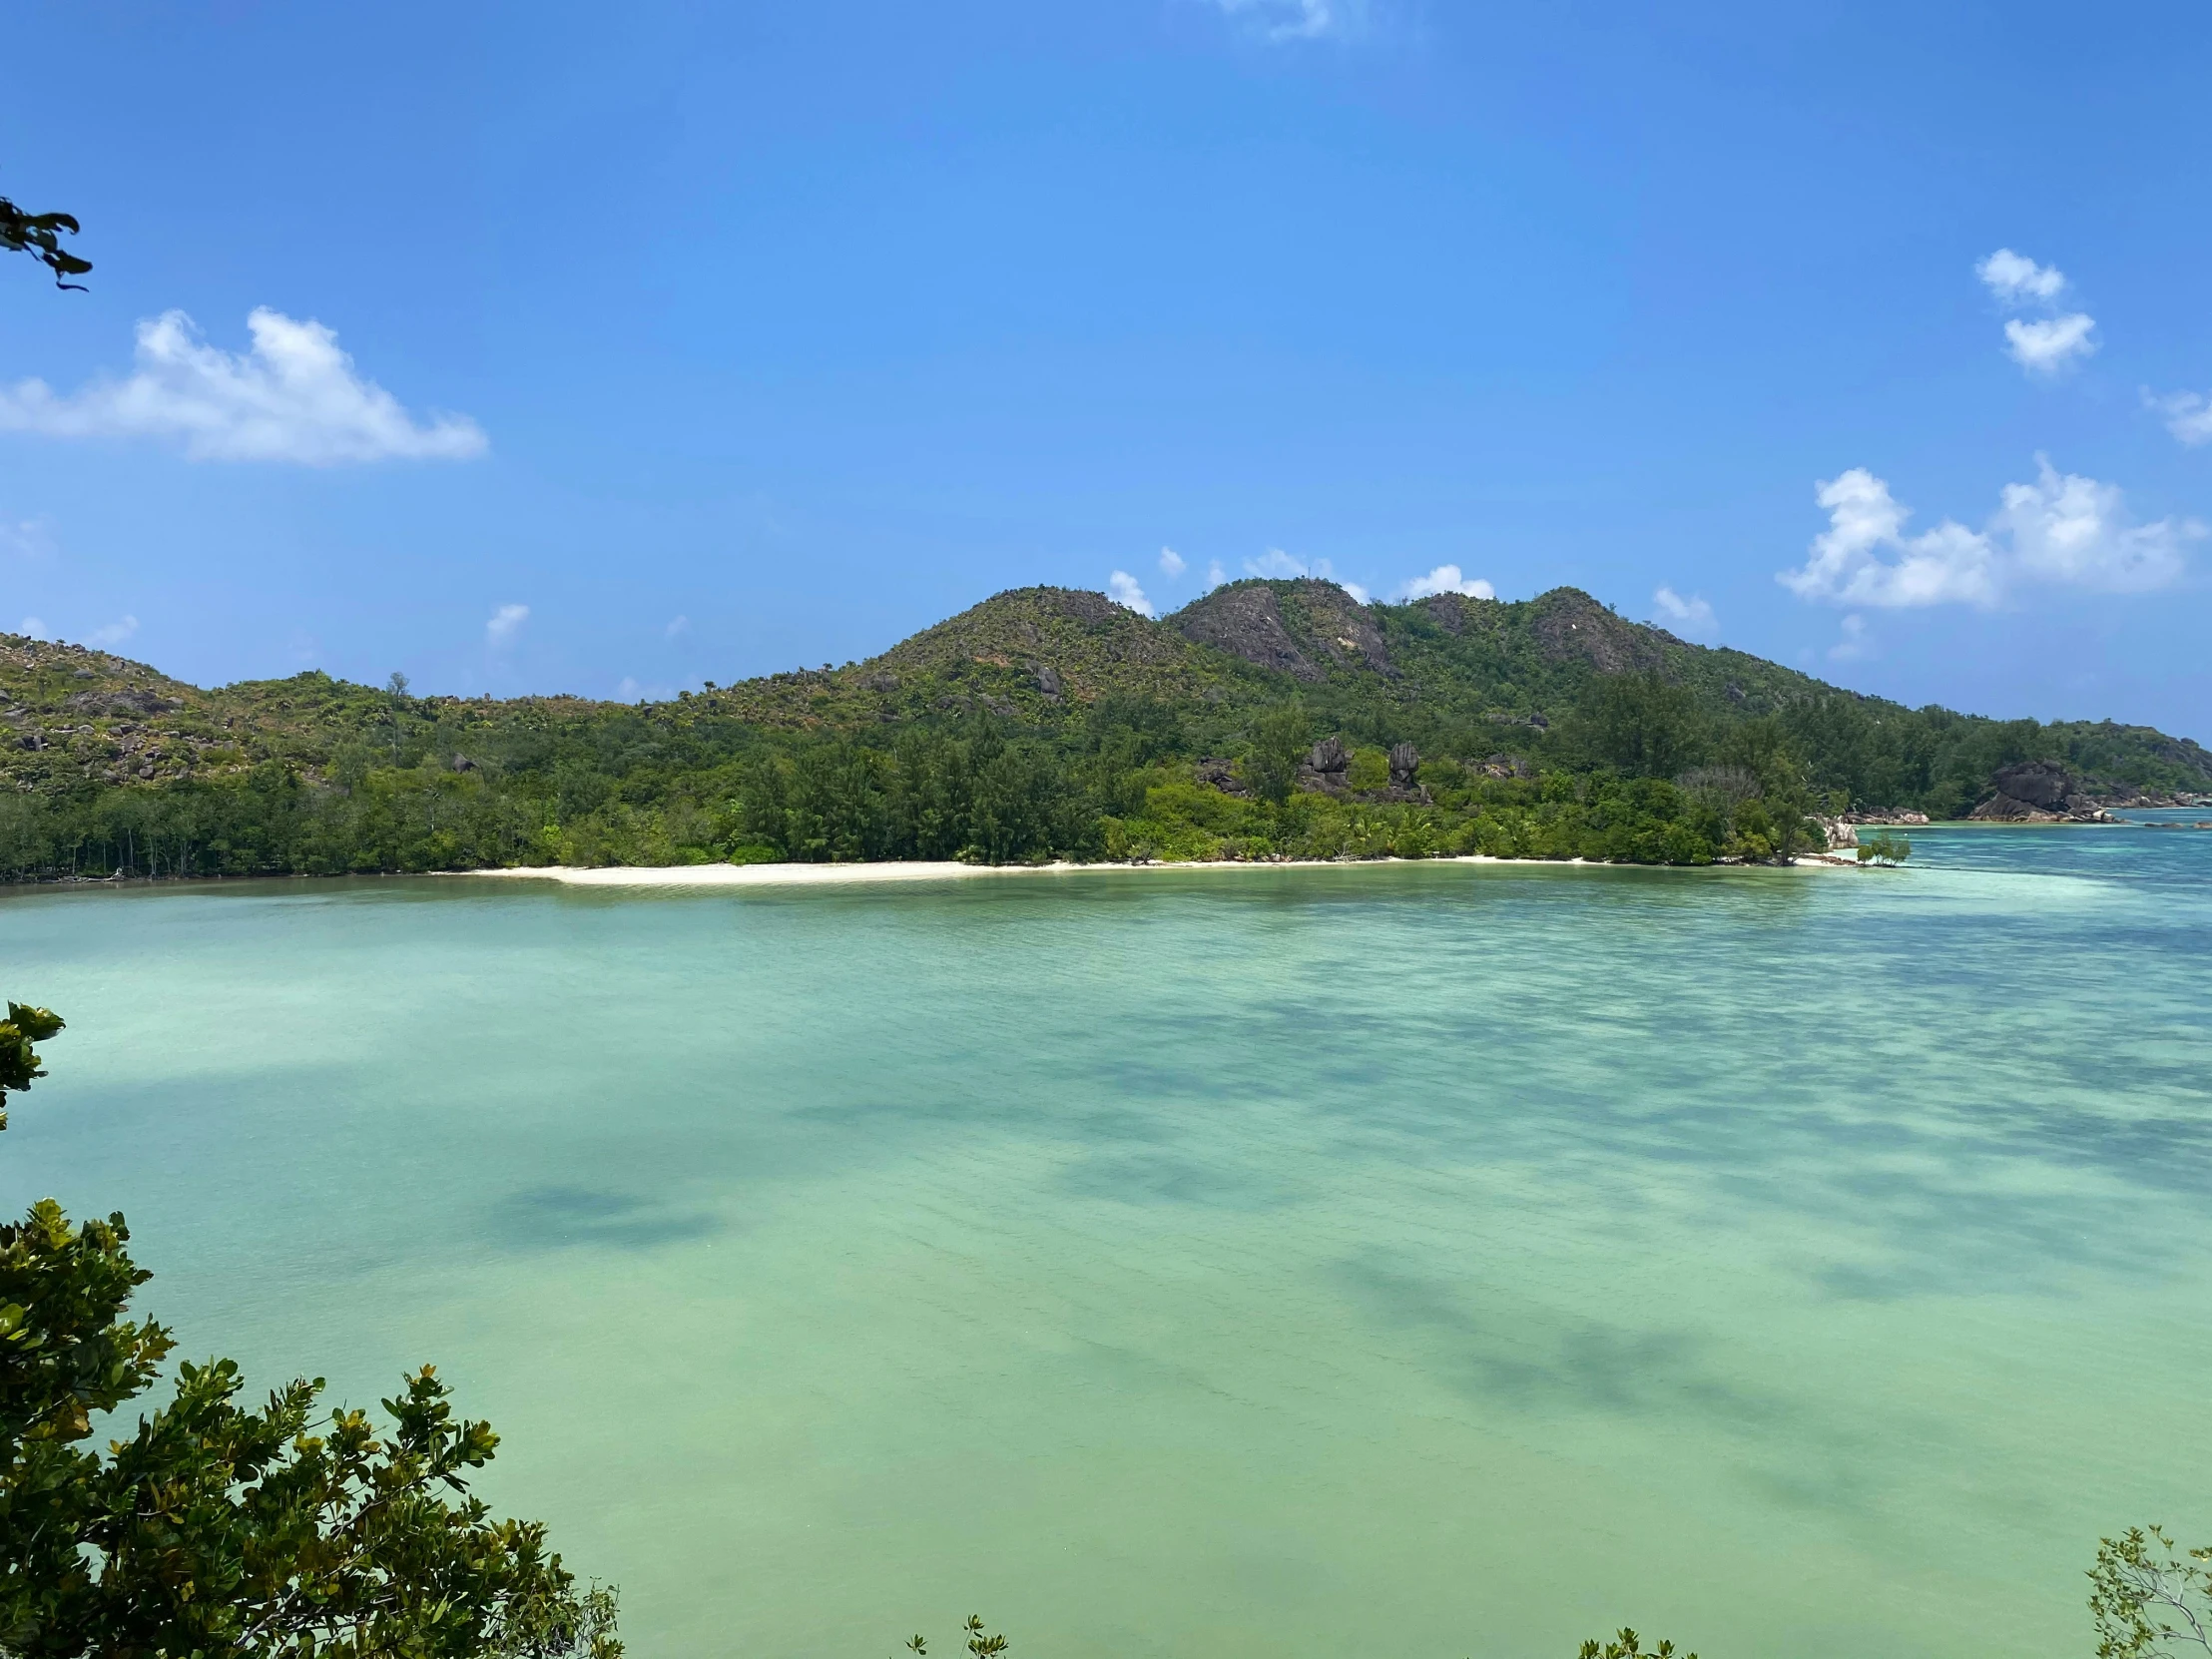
(1442,1260)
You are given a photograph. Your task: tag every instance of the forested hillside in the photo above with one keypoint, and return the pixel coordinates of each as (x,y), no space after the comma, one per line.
(1268,719)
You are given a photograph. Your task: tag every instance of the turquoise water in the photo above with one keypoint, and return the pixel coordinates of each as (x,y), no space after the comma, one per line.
(1456,1260)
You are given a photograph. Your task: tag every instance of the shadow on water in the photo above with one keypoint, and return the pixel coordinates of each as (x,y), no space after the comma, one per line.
(1539,1363)
(1542,1364)
(560,1217)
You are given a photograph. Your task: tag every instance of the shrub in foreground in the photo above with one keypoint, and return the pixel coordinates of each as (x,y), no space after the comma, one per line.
(223,1531)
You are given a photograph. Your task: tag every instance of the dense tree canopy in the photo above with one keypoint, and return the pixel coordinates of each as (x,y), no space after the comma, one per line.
(1043,723)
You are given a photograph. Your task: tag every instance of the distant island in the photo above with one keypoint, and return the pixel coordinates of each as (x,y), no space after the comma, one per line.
(1269,720)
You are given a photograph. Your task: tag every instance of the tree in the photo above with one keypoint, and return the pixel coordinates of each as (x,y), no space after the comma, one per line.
(1640,723)
(1277,743)
(224,1531)
(18,1059)
(37,235)
(2138,1593)
(1885,849)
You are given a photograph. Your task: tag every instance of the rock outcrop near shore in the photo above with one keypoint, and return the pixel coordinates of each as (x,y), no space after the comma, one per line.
(2039,792)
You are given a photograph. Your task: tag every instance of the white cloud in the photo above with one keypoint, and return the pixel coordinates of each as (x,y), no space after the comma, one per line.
(32,628)
(294,397)
(505,624)
(31,538)
(2061,529)
(1123,586)
(2188,415)
(2049,343)
(1297,19)
(1215,575)
(1446,579)
(2015,278)
(1279,566)
(1949,564)
(2074,530)
(1856,641)
(114,633)
(2045,345)
(1172,563)
(1692,615)
(678,627)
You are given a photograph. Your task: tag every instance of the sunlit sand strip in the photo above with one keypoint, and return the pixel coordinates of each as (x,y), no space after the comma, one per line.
(808,876)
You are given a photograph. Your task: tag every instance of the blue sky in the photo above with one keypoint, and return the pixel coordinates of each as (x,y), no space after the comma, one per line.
(609,349)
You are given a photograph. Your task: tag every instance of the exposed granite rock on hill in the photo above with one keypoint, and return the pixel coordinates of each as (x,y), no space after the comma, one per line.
(1035,648)
(1570,626)
(1301,628)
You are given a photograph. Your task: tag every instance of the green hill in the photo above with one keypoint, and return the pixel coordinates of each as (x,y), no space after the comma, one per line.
(107,763)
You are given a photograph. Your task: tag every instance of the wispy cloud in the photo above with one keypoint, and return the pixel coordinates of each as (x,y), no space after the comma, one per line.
(1172,563)
(2188,415)
(1856,641)
(1693,615)
(1287,20)
(505,624)
(1446,579)
(2063,529)
(1215,575)
(678,627)
(2042,345)
(30,538)
(104,638)
(294,396)
(1279,566)
(1123,589)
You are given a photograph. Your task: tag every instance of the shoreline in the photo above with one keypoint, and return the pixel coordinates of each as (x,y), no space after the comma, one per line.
(860,874)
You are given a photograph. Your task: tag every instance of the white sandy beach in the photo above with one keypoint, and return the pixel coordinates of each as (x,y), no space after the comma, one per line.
(808,876)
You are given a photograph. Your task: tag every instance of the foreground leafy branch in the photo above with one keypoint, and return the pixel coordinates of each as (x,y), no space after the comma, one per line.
(979,1645)
(2149,1597)
(37,235)
(226,1531)
(1628,1645)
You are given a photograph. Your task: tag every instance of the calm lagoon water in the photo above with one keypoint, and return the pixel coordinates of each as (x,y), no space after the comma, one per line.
(1458,1261)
